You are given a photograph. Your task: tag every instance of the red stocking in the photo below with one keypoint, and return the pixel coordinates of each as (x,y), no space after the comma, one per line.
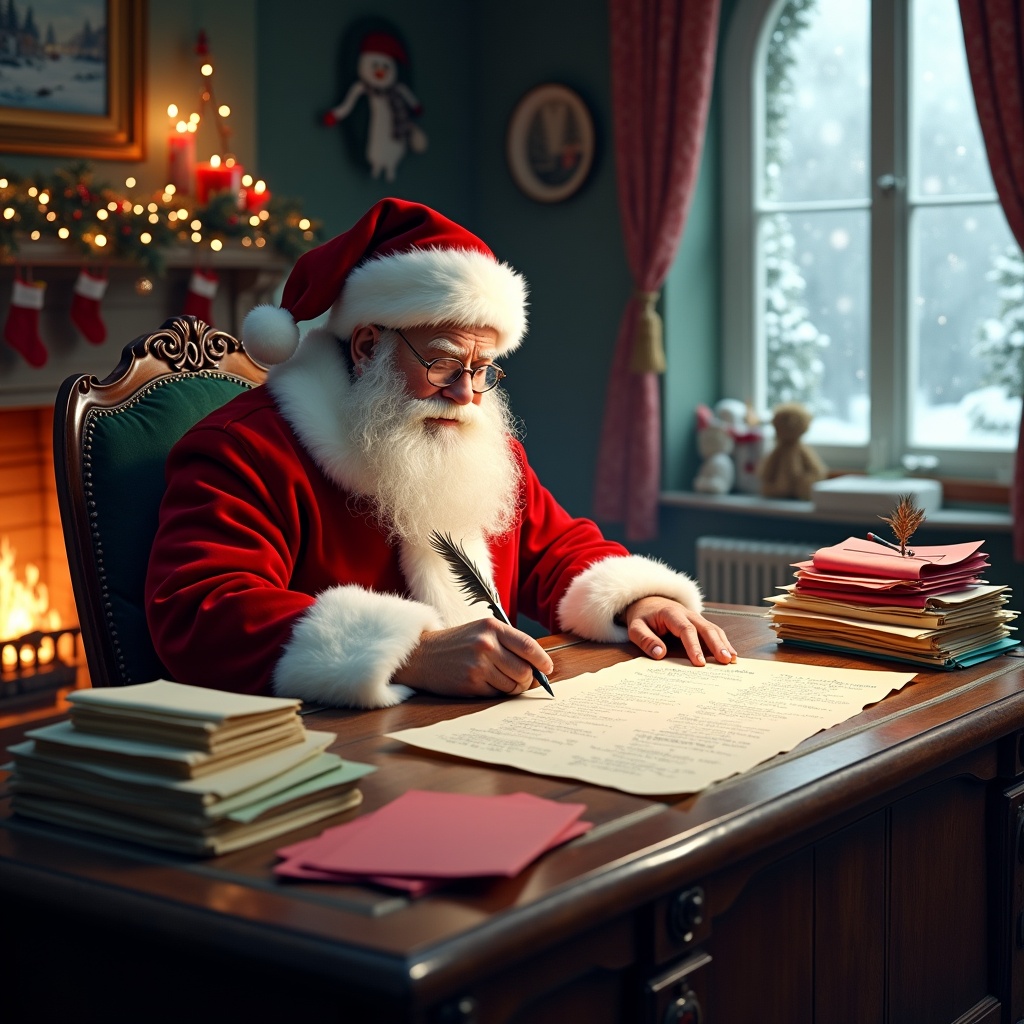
(21,331)
(85,307)
(201,290)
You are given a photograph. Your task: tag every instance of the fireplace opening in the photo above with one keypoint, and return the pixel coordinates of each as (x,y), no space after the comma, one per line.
(40,646)
(38,655)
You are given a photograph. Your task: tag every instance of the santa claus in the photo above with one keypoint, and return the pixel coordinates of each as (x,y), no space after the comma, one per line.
(293,554)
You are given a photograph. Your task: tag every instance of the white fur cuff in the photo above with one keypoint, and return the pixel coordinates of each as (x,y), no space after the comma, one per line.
(603,590)
(346,648)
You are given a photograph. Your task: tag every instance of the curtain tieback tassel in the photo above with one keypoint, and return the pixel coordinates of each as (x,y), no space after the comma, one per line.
(648,346)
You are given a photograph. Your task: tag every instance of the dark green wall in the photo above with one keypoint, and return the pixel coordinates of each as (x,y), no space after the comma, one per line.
(471,63)
(298,78)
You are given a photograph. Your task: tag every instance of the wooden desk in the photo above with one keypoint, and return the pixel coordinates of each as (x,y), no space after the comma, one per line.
(874,874)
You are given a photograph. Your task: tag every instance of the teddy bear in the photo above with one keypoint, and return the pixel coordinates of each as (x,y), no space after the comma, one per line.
(717,472)
(791,467)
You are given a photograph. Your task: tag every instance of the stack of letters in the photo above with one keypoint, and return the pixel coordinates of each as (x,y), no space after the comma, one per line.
(182,768)
(929,606)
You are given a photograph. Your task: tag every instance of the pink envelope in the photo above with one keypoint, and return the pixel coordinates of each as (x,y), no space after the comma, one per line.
(856,555)
(424,834)
(916,600)
(294,868)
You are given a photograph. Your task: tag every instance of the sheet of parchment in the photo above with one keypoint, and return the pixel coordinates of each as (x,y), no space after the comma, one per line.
(650,727)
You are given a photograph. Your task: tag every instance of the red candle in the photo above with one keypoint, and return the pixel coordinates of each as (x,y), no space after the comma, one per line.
(217,176)
(181,161)
(256,196)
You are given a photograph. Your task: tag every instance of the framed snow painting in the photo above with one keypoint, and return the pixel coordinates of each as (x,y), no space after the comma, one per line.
(549,144)
(71,78)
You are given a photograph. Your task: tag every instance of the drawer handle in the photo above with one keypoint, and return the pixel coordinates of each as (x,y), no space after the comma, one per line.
(685,912)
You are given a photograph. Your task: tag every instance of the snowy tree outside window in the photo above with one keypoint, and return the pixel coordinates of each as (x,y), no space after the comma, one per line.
(813,225)
(792,342)
(999,343)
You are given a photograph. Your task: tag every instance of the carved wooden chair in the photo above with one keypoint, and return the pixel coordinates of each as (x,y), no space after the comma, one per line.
(111,438)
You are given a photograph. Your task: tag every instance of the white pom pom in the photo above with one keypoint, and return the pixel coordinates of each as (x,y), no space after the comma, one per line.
(269,334)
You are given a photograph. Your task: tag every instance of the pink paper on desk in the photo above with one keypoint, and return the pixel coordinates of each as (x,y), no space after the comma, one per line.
(885,598)
(868,558)
(293,866)
(944,584)
(428,835)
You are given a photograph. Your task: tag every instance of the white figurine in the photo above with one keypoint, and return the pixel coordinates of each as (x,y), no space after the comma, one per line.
(392,105)
(748,436)
(717,473)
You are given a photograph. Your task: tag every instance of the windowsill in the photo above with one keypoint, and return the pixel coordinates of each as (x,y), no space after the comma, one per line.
(993,520)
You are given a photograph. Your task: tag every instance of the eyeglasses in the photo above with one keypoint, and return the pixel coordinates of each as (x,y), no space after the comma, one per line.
(446,370)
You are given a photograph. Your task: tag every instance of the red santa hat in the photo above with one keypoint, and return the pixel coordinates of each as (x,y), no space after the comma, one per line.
(401,265)
(385,43)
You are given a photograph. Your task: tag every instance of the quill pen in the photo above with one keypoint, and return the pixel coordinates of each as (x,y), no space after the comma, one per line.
(474,586)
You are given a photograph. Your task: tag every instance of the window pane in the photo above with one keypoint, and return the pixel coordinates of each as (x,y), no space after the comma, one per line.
(815,281)
(967,329)
(817,84)
(948,150)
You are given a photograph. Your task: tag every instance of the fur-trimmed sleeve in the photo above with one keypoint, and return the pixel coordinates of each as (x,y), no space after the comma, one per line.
(344,649)
(604,589)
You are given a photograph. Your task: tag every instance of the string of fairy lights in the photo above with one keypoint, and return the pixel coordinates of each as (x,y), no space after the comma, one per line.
(111,224)
(211,204)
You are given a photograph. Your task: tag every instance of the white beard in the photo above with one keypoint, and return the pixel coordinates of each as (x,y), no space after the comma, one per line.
(459,479)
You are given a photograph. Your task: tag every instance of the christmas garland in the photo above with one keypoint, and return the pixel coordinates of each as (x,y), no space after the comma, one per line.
(108,224)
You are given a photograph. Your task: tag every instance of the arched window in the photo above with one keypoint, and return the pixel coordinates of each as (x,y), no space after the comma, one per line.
(868,269)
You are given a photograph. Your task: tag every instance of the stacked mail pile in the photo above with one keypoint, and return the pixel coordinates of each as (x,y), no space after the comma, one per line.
(929,607)
(182,768)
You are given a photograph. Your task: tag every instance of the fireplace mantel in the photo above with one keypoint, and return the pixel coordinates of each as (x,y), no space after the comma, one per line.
(248,276)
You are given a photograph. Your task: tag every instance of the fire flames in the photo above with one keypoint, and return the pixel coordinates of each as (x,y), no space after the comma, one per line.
(24,607)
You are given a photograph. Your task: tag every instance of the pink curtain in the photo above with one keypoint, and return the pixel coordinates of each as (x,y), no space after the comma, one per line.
(663,57)
(994,38)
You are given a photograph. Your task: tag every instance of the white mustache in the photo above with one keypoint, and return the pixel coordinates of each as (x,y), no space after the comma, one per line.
(441,409)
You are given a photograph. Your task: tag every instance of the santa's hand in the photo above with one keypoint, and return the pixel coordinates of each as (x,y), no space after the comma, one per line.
(485,658)
(651,618)
(329,119)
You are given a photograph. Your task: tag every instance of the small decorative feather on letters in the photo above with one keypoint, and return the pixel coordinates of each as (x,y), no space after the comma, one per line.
(904,519)
(473,584)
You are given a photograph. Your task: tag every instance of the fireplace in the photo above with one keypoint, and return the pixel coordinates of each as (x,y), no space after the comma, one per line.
(40,654)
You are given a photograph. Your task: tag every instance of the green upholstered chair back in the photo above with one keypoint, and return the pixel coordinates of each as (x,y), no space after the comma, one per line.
(111,440)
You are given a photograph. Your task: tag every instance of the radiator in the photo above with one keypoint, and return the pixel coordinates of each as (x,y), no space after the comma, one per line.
(732,570)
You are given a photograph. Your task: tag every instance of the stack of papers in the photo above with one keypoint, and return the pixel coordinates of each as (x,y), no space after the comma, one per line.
(424,839)
(182,768)
(929,608)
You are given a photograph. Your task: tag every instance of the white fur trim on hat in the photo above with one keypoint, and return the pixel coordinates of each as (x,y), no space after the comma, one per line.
(434,286)
(269,334)
(346,647)
(604,589)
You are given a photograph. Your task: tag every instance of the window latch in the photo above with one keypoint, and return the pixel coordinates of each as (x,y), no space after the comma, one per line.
(889,182)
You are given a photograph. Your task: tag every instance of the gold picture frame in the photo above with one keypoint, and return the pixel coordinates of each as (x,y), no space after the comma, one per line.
(550,143)
(117,133)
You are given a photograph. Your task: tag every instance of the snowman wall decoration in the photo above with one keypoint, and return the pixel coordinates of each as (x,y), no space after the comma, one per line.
(392,105)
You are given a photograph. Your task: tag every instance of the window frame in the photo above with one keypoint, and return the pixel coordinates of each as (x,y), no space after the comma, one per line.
(891,206)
